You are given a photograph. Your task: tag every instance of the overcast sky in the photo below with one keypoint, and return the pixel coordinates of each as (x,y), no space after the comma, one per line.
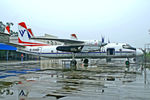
(119,20)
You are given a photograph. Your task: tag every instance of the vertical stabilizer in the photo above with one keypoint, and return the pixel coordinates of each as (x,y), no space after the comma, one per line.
(24,33)
(74,37)
(7,29)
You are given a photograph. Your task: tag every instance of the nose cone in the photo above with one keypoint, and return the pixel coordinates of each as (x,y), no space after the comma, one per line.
(139,52)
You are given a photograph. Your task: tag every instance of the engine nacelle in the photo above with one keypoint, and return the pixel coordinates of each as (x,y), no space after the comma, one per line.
(70,48)
(90,48)
(93,42)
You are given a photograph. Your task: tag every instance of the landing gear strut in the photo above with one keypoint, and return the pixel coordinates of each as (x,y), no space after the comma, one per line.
(127,62)
(108,59)
(73,63)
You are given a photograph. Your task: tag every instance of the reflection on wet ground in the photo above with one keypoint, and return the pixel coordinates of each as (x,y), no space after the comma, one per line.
(28,82)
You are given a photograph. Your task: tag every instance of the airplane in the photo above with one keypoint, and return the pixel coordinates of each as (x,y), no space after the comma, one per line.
(71,48)
(26,38)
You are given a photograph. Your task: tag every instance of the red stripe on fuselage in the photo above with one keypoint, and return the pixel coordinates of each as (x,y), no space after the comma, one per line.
(37,45)
(31,43)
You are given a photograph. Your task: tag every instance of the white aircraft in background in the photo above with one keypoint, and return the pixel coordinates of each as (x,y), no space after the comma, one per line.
(72,48)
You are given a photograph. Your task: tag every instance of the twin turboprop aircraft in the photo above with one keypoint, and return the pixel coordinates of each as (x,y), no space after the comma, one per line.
(70,48)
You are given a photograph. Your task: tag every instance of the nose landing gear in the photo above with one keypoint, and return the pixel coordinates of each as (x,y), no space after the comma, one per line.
(127,62)
(73,63)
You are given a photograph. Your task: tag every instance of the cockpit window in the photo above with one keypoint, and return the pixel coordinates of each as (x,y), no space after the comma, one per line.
(126,46)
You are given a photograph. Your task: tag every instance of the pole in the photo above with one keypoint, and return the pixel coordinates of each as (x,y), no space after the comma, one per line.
(145,60)
(145,75)
(7,55)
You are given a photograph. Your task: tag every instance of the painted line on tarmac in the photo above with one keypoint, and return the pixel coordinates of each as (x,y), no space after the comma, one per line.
(16,72)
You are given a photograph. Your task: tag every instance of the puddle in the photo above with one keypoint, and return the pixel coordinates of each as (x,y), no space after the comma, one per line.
(31,83)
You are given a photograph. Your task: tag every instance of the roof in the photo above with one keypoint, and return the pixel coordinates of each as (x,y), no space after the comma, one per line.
(6,47)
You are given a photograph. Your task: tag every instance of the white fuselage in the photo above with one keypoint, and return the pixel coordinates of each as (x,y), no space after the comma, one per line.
(86,49)
(112,50)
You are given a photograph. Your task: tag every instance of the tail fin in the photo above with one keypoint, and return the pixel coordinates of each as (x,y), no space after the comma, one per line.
(74,37)
(7,30)
(24,33)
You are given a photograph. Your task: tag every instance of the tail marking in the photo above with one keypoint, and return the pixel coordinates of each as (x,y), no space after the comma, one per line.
(22,33)
(8,29)
(23,25)
(30,31)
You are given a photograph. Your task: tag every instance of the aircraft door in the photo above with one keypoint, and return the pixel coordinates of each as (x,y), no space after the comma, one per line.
(110,51)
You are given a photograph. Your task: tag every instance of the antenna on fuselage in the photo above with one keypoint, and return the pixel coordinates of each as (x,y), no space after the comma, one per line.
(108,40)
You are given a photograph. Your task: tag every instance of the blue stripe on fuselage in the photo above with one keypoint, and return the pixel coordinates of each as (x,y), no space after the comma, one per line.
(86,52)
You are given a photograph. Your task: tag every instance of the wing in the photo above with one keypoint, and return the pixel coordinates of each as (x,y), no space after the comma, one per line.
(66,41)
(4,34)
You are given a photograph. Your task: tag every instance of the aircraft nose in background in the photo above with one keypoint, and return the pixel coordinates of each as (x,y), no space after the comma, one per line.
(139,52)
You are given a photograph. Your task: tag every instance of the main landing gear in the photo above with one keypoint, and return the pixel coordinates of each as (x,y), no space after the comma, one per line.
(73,62)
(85,61)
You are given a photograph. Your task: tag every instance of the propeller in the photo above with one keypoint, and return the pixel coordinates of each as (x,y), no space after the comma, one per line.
(108,40)
(103,41)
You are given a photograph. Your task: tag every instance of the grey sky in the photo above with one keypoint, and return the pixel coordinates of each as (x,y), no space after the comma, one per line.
(119,20)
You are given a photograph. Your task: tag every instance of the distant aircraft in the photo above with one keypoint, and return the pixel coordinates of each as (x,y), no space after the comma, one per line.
(7,29)
(72,48)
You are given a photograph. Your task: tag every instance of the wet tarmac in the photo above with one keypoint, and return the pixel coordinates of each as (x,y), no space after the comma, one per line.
(26,81)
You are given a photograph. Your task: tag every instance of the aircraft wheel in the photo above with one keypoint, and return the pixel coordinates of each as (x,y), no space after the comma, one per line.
(134,59)
(73,64)
(127,63)
(86,61)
